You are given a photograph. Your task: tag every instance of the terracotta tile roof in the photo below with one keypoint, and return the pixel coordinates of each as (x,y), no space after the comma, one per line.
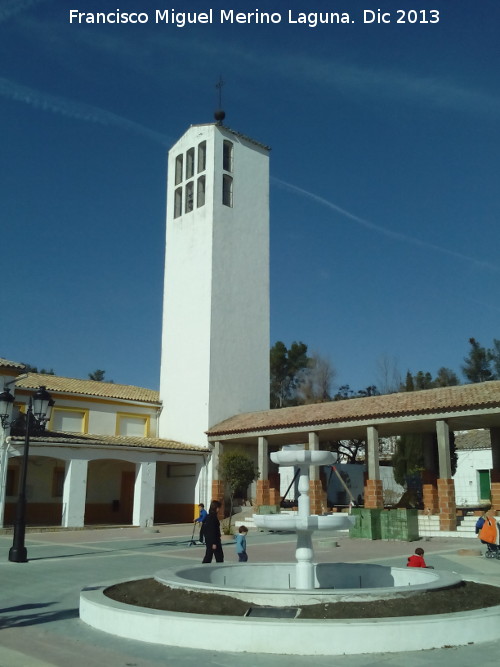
(91,439)
(476,439)
(54,383)
(430,401)
(5,363)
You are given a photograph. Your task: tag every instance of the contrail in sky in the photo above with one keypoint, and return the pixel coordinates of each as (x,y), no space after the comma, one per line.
(12,7)
(382,230)
(77,110)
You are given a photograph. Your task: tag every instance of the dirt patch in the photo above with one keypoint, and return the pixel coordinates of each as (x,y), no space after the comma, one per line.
(153,595)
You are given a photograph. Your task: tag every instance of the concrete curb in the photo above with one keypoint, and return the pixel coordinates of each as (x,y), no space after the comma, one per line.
(285,636)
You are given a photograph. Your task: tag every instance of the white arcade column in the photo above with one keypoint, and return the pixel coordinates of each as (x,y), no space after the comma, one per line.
(144,494)
(74,493)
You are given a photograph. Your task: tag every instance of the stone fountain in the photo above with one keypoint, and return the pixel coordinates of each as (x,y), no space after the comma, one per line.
(304,523)
(279,587)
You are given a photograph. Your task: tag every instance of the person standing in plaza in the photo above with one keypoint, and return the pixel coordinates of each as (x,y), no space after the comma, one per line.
(201,520)
(211,529)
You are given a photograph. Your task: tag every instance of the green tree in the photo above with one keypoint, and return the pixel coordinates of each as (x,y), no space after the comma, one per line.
(423,380)
(97,375)
(345,392)
(408,459)
(446,378)
(347,451)
(495,355)
(288,368)
(28,368)
(237,471)
(409,384)
(477,365)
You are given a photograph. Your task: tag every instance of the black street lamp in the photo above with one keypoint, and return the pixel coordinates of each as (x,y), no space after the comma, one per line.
(37,415)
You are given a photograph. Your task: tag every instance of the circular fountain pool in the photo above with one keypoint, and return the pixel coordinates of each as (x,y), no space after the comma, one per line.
(274,584)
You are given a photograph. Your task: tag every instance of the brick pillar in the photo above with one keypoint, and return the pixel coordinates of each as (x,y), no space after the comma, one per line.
(430,492)
(447,506)
(274,488)
(374,494)
(495,473)
(495,489)
(262,493)
(317,496)
(218,494)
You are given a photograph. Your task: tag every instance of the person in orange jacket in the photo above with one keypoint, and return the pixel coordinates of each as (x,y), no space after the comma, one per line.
(489,533)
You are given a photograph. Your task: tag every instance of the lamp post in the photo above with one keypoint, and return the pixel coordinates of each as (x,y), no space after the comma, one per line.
(37,415)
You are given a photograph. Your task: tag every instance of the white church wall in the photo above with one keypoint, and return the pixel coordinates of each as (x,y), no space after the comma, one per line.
(215,342)
(239,378)
(466,478)
(186,308)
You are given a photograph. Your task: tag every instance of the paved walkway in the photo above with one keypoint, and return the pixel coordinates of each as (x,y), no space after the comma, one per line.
(40,626)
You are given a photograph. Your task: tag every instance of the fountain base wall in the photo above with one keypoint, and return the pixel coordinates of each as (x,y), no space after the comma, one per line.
(287,637)
(274,584)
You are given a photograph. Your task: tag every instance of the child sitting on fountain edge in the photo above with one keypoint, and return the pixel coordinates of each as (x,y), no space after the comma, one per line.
(417,560)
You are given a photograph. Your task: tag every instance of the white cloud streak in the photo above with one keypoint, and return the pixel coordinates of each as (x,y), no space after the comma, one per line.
(384,231)
(10,8)
(76,110)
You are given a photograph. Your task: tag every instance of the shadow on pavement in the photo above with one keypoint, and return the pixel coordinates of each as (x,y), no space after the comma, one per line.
(36,618)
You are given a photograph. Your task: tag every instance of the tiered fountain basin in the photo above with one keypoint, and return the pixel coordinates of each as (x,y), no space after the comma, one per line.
(293,522)
(274,585)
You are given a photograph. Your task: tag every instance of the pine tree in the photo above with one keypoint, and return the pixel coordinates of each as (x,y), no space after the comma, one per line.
(476,367)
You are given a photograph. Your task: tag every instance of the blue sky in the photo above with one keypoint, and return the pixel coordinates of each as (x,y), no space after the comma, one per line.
(384,178)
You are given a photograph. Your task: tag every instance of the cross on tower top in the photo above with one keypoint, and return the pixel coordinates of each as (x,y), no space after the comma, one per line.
(219,115)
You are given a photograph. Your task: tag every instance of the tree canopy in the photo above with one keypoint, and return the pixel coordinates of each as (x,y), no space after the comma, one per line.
(43,371)
(481,364)
(237,471)
(408,459)
(287,372)
(98,375)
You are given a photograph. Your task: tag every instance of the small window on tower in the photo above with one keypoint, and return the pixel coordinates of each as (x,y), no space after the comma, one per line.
(178,169)
(200,195)
(227,160)
(189,197)
(227,190)
(202,156)
(190,163)
(178,203)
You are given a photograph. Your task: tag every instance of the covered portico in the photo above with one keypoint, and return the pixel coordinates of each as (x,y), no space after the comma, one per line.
(434,412)
(84,479)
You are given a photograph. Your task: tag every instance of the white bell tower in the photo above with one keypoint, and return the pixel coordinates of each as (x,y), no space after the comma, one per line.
(216,320)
